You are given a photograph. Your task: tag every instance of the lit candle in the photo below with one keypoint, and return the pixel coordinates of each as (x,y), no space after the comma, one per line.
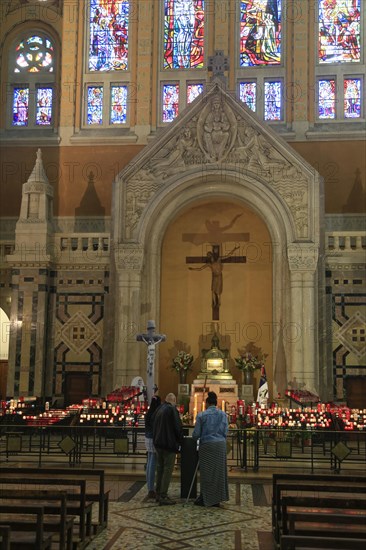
(195,401)
(223,405)
(203,405)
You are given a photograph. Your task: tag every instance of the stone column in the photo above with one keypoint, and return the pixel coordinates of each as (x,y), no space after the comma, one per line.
(310,331)
(129,263)
(303,259)
(295,331)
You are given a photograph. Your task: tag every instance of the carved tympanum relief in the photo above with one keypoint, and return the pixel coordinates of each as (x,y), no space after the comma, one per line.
(222,135)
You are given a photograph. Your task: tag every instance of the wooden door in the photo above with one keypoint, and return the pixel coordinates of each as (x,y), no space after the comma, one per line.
(77,387)
(356,391)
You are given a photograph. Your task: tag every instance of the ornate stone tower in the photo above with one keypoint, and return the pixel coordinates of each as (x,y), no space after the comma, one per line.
(30,283)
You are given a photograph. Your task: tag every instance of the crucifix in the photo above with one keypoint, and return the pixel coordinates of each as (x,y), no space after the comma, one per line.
(151,340)
(214,260)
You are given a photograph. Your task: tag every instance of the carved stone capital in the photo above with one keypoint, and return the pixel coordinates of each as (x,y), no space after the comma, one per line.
(37,187)
(129,257)
(303,257)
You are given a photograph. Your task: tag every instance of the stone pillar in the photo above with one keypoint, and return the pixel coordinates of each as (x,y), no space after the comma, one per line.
(27,349)
(303,259)
(295,333)
(129,262)
(221,14)
(310,332)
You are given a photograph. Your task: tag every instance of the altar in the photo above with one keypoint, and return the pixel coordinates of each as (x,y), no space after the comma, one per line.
(214,376)
(226,391)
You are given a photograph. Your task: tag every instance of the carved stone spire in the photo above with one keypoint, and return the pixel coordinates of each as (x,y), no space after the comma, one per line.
(37,196)
(38,174)
(34,227)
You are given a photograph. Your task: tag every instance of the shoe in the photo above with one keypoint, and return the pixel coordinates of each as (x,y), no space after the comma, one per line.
(166,501)
(199,501)
(157,497)
(216,505)
(151,494)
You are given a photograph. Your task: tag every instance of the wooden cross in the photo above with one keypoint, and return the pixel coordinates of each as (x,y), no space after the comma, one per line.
(214,260)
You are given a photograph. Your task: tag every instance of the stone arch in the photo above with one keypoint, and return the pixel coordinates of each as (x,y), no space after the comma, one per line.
(166,207)
(259,170)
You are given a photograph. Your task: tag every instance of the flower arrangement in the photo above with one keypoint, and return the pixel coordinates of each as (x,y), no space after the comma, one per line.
(182,361)
(248,362)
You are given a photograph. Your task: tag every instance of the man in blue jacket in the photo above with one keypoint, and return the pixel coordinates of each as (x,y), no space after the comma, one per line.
(167,437)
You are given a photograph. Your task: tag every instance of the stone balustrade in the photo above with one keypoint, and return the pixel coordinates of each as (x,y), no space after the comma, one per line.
(6,248)
(66,246)
(62,248)
(78,242)
(345,241)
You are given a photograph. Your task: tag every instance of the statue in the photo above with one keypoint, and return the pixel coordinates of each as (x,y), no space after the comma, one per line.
(151,340)
(215,263)
(216,130)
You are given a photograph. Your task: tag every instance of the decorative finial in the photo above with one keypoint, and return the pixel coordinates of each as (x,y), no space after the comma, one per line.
(38,174)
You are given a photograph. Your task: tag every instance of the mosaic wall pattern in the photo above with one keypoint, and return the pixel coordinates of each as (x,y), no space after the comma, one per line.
(348,298)
(78,327)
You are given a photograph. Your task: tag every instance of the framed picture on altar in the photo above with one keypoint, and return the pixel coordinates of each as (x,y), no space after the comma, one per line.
(183,389)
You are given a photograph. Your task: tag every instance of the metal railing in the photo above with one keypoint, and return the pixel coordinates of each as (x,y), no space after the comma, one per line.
(249,449)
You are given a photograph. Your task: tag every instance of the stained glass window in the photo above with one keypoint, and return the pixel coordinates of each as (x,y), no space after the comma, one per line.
(95,104)
(260,32)
(44,106)
(327,96)
(248,94)
(20,106)
(170,102)
(193,91)
(34,54)
(272,101)
(108,44)
(339,31)
(352,97)
(183,34)
(118,104)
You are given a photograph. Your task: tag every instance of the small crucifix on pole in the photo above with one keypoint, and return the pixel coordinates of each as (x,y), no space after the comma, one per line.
(151,340)
(214,260)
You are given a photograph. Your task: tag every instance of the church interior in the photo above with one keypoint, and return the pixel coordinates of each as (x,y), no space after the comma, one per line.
(182,206)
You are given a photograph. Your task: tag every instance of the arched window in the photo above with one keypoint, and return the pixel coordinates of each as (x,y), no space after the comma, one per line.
(183,47)
(107,73)
(260,74)
(340,63)
(32,81)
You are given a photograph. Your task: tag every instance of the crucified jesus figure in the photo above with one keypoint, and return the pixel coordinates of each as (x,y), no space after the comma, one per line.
(215,263)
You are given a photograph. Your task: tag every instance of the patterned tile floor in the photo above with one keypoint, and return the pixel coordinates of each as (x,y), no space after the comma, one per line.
(136,523)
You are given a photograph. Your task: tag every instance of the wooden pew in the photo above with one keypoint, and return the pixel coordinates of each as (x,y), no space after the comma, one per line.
(310,484)
(26,529)
(95,485)
(61,524)
(329,517)
(5,533)
(77,505)
(291,542)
